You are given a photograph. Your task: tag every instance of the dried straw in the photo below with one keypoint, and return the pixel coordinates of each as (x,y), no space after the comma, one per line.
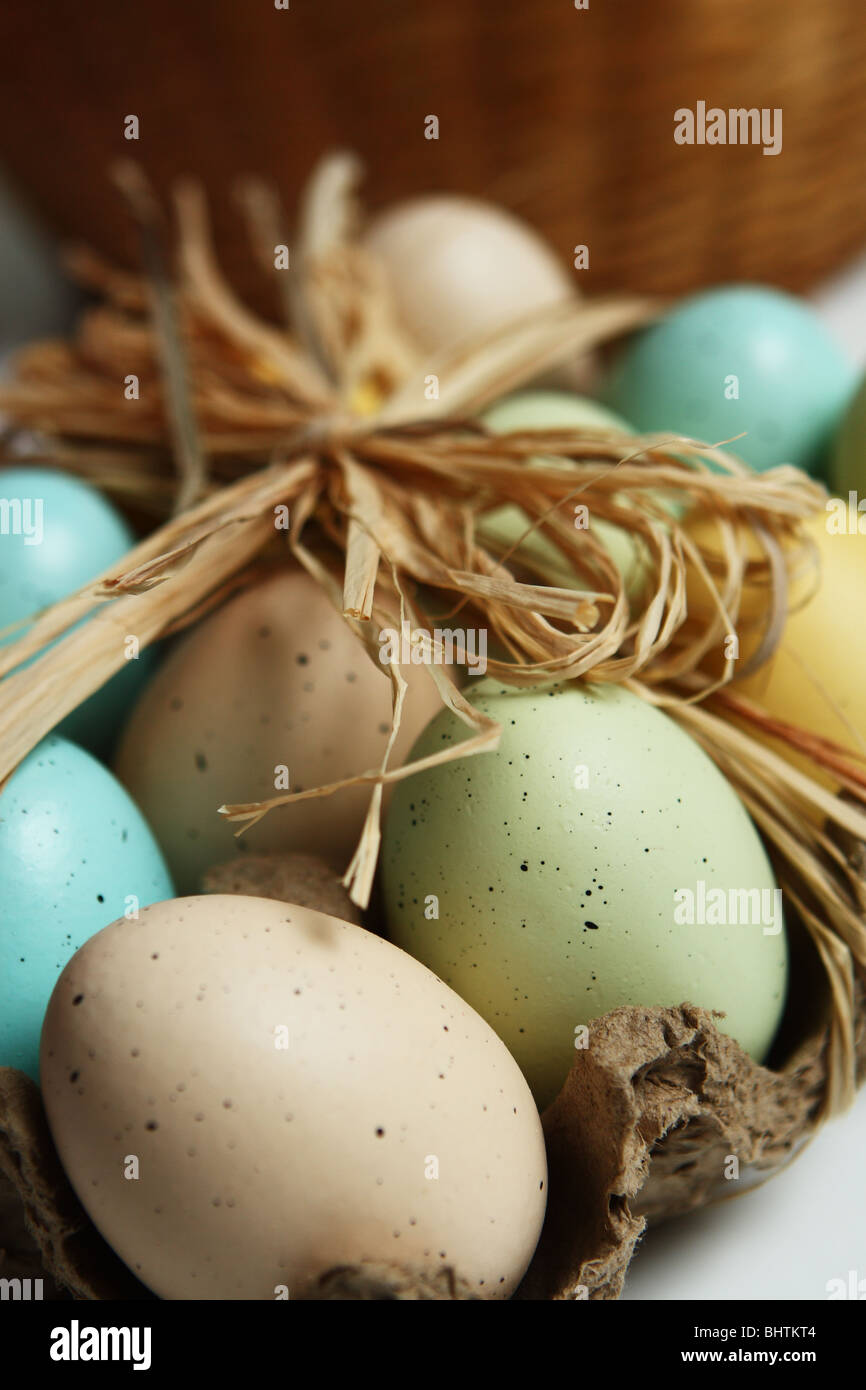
(387,491)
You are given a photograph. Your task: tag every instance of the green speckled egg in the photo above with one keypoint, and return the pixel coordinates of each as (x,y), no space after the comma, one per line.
(848,463)
(552,880)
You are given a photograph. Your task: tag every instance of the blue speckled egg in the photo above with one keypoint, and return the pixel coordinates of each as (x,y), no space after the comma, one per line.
(56,533)
(739,358)
(75,854)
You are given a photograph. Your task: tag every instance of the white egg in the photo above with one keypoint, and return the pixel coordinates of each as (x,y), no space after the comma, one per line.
(460,268)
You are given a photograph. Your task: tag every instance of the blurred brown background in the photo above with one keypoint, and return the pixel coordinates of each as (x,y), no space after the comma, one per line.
(565,115)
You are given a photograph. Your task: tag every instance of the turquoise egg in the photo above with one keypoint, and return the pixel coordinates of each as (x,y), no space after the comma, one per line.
(56,533)
(75,854)
(739,358)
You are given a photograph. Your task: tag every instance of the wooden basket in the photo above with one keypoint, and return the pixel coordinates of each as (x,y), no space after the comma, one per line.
(564,114)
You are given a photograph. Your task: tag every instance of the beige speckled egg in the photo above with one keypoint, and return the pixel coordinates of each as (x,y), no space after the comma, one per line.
(245,1094)
(273,679)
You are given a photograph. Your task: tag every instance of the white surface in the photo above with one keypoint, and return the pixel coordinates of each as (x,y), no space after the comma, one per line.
(784,1240)
(807,1225)
(842,305)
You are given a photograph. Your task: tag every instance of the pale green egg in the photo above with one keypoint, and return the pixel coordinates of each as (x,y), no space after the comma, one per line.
(547,410)
(554,879)
(848,460)
(535,410)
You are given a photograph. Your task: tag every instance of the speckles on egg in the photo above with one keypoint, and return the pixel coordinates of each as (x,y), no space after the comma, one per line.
(74,851)
(343,1171)
(563,907)
(253,689)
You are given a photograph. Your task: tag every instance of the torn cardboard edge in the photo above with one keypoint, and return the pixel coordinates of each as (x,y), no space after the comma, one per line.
(644,1129)
(73,1253)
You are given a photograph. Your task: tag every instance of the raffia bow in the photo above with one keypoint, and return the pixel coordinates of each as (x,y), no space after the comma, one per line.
(387,485)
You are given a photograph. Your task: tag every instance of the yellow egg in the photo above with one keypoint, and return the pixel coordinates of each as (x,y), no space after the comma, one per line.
(816,679)
(271,693)
(460,268)
(747,624)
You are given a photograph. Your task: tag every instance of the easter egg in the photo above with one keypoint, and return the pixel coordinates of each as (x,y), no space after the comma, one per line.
(298,1095)
(748,617)
(460,268)
(38,299)
(734,359)
(848,463)
(56,534)
(549,410)
(272,692)
(75,852)
(535,410)
(816,678)
(598,858)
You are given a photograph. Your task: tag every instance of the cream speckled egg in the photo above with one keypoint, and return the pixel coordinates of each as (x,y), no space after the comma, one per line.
(597,858)
(245,1094)
(274,679)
